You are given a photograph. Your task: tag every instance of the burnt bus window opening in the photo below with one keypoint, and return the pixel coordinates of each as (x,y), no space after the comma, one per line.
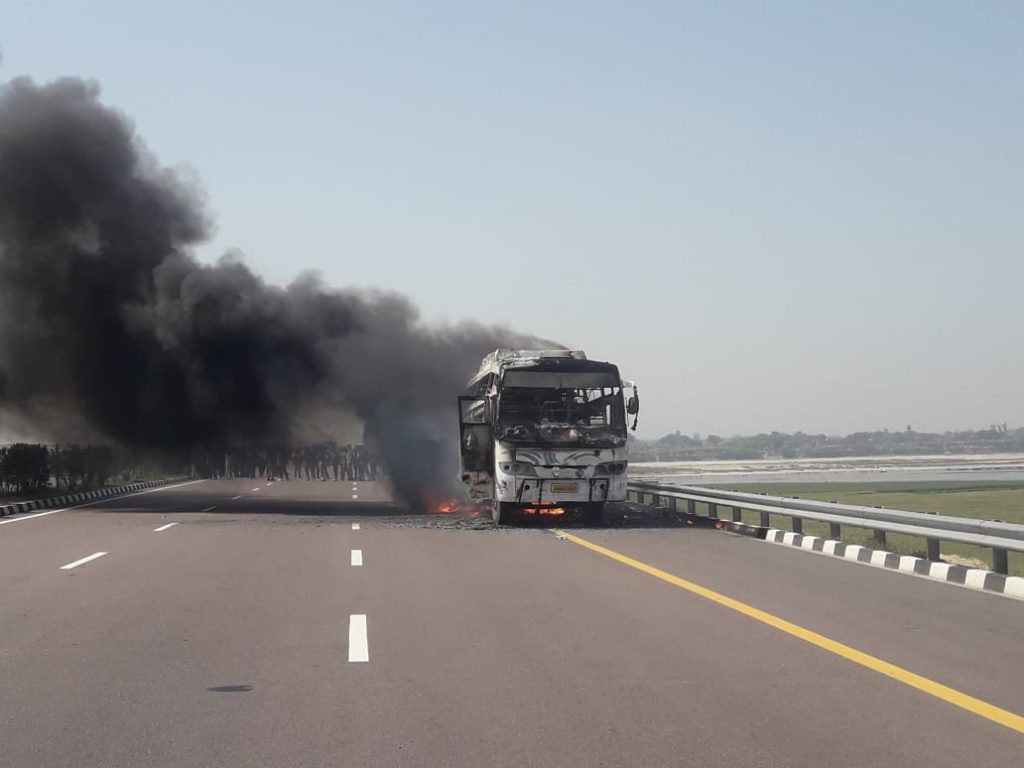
(563,407)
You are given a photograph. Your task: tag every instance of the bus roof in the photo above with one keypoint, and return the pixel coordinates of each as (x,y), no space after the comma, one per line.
(503,359)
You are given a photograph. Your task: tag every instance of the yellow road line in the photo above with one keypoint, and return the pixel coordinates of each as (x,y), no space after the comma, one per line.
(956,698)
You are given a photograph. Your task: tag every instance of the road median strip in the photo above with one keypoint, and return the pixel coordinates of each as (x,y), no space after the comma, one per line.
(952,696)
(72,498)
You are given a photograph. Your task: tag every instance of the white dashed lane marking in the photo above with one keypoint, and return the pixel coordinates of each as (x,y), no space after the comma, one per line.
(355,526)
(358,643)
(164,527)
(83,561)
(357,557)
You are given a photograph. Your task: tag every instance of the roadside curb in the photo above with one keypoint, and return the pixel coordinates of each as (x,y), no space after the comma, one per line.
(972,578)
(72,498)
(743,529)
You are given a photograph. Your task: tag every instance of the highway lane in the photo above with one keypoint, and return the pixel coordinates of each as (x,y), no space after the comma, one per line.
(223,641)
(962,638)
(117,658)
(25,538)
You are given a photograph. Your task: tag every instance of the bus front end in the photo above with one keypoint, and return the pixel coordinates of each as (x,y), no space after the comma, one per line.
(546,434)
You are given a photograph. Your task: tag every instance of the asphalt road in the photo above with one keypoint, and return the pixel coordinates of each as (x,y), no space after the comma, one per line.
(225,640)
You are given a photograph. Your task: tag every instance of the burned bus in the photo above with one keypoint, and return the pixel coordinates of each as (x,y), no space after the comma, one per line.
(544,433)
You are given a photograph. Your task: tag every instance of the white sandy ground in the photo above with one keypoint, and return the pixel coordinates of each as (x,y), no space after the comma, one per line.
(944,463)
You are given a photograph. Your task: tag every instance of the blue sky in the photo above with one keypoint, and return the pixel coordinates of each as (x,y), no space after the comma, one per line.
(788,215)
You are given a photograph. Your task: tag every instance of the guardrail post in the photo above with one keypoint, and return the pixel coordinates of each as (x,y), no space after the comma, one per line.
(835,531)
(673,503)
(933,550)
(798,525)
(691,507)
(737,515)
(655,500)
(999,561)
(712,509)
(766,521)
(879,537)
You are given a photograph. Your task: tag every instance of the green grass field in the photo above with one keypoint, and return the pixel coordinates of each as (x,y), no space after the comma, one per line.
(982,500)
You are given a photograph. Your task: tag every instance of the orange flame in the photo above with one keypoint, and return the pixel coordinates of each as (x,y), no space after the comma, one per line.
(453,506)
(443,507)
(553,511)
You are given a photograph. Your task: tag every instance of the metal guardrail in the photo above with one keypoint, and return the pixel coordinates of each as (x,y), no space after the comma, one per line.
(996,535)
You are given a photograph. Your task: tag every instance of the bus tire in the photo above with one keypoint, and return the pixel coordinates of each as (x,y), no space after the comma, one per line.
(501,513)
(593,513)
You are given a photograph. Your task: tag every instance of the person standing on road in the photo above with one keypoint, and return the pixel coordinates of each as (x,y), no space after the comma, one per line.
(344,458)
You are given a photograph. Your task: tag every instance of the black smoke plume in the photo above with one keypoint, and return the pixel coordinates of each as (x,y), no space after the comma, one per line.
(110,326)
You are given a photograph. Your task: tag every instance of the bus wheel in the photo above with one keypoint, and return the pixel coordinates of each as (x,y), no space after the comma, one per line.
(501,513)
(593,514)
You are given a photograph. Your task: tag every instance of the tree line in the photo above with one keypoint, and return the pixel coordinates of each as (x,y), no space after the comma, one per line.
(998,438)
(28,468)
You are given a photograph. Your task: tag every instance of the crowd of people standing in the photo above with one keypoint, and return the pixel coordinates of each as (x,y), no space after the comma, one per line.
(325,461)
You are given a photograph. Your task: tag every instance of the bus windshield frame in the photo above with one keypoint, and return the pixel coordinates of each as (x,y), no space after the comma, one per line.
(561,408)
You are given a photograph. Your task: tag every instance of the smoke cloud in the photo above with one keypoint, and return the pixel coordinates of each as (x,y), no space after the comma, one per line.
(110,326)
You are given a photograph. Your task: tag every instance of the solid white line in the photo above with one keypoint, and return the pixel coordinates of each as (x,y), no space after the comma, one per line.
(210,509)
(83,561)
(358,646)
(355,526)
(37,514)
(357,557)
(96,503)
(164,527)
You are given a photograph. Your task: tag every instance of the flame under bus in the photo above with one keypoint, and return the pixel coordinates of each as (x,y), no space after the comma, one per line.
(544,433)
